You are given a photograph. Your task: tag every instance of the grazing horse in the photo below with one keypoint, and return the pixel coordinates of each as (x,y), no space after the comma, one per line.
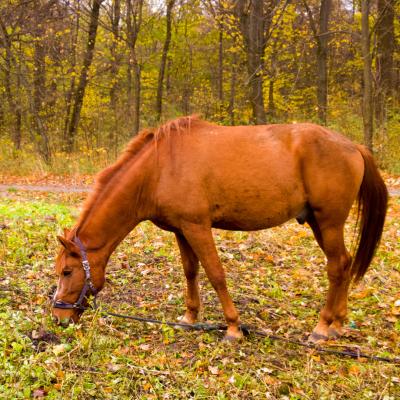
(189,176)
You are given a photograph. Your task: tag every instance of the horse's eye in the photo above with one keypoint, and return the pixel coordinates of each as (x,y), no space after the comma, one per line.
(67,273)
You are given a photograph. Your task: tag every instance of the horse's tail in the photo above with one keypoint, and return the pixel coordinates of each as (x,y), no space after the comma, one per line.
(372,206)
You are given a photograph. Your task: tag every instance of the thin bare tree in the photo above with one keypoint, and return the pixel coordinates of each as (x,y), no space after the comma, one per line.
(83,78)
(367,74)
(321,35)
(385,43)
(133,24)
(164,56)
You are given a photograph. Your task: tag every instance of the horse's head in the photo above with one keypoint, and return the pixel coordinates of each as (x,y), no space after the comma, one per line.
(79,276)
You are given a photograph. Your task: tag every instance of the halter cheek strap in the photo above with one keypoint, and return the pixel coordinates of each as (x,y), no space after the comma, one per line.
(88,287)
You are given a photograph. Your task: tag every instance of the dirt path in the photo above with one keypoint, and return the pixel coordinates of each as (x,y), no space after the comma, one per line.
(394,192)
(45,188)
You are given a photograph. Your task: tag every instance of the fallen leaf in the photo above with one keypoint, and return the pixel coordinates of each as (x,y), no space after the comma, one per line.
(59,349)
(214,370)
(354,370)
(38,393)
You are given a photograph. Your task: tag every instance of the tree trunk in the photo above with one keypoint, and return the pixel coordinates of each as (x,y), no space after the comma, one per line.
(115,61)
(253,27)
(271,103)
(168,77)
(83,79)
(71,90)
(39,95)
(133,23)
(136,98)
(367,74)
(18,112)
(321,38)
(385,41)
(13,104)
(161,72)
(322,60)
(232,94)
(220,65)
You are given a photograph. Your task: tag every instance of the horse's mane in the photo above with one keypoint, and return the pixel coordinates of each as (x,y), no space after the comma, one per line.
(103,178)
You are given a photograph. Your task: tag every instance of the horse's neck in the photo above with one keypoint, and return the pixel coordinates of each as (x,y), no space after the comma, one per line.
(120,207)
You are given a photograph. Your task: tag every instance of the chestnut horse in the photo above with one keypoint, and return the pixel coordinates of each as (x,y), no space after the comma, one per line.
(189,176)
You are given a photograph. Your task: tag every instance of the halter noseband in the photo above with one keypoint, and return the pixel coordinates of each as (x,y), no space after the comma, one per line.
(88,287)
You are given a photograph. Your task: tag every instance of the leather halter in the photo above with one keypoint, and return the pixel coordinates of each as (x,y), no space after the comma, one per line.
(88,287)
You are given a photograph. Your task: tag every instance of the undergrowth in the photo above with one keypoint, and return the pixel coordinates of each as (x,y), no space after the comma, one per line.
(91,159)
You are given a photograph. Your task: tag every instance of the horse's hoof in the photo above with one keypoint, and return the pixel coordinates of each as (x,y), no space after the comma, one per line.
(232,337)
(186,320)
(182,321)
(334,334)
(316,338)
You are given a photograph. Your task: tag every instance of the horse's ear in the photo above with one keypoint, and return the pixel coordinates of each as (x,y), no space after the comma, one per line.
(69,245)
(66,231)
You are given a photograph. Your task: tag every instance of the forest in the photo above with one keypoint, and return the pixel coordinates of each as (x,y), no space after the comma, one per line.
(79,78)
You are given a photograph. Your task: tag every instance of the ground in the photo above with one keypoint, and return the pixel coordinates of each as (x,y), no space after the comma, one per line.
(276,277)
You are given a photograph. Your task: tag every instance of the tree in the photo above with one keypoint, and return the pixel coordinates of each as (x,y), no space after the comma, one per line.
(367,74)
(321,36)
(14,106)
(83,79)
(40,16)
(385,42)
(161,73)
(254,22)
(115,64)
(71,70)
(133,23)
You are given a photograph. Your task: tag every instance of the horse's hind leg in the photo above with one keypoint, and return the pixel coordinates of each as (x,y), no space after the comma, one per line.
(201,241)
(191,267)
(335,310)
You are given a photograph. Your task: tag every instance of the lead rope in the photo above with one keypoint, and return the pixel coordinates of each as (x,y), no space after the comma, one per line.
(248,330)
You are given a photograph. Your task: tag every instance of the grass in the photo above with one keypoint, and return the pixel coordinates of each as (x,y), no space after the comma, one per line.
(276,278)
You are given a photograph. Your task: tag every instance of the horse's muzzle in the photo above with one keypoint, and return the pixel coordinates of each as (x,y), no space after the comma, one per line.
(64,322)
(64,317)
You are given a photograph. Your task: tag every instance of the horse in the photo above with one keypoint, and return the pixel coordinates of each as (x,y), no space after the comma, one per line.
(189,176)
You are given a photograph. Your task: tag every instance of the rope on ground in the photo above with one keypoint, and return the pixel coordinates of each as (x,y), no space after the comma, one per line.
(248,330)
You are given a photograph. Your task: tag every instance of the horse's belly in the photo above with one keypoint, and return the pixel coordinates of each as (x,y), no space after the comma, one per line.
(254,215)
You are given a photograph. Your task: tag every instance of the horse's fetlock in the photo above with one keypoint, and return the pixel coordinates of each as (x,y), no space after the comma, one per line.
(327,316)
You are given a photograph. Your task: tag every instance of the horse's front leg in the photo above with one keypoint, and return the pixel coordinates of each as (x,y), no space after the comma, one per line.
(201,241)
(191,267)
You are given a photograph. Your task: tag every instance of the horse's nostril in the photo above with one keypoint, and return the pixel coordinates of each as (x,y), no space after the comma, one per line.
(52,291)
